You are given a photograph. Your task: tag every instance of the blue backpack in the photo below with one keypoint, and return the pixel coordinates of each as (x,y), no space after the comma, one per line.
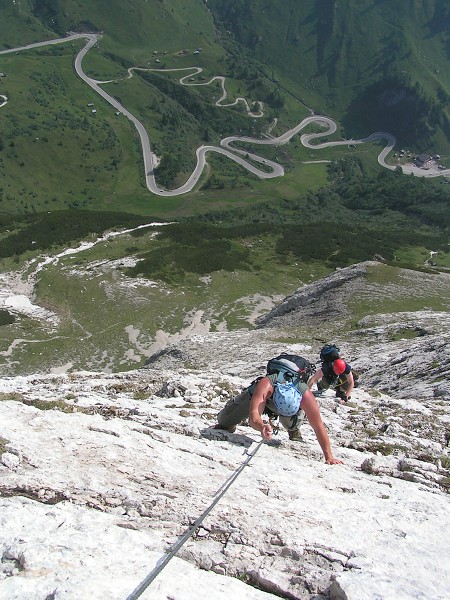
(290,368)
(287,398)
(286,371)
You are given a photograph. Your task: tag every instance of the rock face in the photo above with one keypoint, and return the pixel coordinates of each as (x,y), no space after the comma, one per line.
(101,475)
(406,355)
(318,300)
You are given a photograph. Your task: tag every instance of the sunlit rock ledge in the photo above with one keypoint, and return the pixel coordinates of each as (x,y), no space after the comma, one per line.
(101,474)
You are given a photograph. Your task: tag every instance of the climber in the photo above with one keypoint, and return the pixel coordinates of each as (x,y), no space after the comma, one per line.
(335,373)
(283,394)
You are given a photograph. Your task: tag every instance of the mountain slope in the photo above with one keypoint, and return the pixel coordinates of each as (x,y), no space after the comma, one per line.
(86,291)
(339,52)
(103,474)
(129,28)
(373,68)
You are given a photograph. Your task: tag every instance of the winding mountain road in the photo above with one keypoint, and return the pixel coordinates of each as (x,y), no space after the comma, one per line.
(271,168)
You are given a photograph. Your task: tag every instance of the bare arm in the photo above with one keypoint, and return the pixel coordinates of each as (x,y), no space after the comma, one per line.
(351,384)
(263,391)
(317,375)
(311,408)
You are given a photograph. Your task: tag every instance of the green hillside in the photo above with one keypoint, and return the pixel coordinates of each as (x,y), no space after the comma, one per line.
(80,232)
(132,30)
(367,63)
(372,67)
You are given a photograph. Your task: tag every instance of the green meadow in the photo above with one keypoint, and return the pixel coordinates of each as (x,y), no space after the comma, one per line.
(71,168)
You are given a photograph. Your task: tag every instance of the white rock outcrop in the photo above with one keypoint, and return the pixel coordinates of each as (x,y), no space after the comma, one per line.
(102,474)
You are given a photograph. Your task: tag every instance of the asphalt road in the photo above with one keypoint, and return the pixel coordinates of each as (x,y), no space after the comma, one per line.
(246,159)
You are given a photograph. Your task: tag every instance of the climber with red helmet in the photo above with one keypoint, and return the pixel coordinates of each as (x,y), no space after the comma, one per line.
(333,373)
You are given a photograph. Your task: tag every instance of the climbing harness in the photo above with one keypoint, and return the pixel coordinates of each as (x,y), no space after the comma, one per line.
(190,532)
(274,423)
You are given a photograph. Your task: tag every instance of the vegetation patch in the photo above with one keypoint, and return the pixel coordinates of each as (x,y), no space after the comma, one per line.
(445,484)
(60,405)
(17,396)
(397,105)
(58,228)
(445,462)
(195,248)
(406,333)
(383,448)
(6,318)
(3,444)
(141,395)
(411,196)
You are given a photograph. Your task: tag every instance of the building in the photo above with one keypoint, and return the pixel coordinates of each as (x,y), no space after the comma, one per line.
(424,161)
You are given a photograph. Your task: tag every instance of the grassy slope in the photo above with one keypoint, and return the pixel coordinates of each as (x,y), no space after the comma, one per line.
(19,26)
(99,305)
(118,319)
(98,160)
(131,29)
(82,161)
(332,48)
(327,53)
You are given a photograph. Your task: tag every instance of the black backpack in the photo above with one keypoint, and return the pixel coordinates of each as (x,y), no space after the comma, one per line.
(330,353)
(291,366)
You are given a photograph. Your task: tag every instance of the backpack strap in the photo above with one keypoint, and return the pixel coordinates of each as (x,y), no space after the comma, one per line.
(251,387)
(302,387)
(273,378)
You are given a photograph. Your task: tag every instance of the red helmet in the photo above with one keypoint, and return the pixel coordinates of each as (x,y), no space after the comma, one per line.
(339,366)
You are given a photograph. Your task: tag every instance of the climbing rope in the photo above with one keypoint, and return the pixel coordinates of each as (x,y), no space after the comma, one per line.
(162,563)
